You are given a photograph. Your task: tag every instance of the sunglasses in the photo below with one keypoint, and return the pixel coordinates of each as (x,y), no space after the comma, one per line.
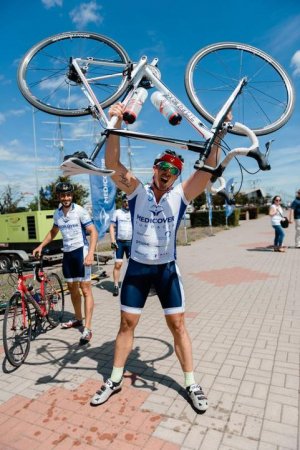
(163,165)
(278,200)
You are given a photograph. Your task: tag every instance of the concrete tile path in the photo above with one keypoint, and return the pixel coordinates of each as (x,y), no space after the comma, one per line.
(243,314)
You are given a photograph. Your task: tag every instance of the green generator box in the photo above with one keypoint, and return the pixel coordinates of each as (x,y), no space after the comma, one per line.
(25,230)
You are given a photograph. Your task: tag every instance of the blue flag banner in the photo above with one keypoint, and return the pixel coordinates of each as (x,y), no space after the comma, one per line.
(229,189)
(103,192)
(228,210)
(209,205)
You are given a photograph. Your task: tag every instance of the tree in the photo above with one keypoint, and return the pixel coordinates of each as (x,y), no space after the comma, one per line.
(9,200)
(48,197)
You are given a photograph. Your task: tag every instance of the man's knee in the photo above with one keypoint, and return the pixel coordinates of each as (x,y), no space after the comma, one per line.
(176,323)
(86,288)
(128,322)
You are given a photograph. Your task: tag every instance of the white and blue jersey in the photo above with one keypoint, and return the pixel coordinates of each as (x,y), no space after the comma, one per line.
(75,244)
(153,251)
(73,226)
(121,218)
(155,224)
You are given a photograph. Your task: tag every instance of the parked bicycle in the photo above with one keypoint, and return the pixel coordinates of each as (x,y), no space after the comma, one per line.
(46,304)
(55,73)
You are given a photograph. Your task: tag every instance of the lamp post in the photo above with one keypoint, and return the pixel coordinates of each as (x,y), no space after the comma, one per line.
(36,160)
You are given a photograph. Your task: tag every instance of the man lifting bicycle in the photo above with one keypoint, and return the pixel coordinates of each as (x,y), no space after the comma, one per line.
(156,211)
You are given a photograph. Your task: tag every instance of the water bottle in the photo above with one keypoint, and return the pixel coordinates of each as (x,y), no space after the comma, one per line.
(35,295)
(165,107)
(134,105)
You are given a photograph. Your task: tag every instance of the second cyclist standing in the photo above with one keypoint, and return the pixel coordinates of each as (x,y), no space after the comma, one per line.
(75,223)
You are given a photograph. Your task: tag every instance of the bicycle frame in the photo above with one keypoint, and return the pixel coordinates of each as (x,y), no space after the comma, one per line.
(136,75)
(25,293)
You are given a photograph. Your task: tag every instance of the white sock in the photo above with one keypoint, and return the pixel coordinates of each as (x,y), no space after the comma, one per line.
(117,374)
(188,378)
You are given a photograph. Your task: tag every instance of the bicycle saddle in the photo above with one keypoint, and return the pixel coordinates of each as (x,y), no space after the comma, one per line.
(79,163)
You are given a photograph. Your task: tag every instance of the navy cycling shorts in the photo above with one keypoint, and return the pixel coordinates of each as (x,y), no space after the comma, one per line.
(166,280)
(73,265)
(123,248)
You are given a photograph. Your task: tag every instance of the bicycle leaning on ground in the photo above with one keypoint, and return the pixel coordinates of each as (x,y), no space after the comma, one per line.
(46,303)
(56,72)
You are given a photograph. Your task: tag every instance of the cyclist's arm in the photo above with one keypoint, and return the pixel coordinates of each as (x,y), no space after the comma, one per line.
(122,177)
(196,183)
(89,259)
(112,233)
(48,238)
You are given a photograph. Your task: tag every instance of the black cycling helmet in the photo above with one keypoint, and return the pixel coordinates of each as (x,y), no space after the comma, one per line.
(63,187)
(171,157)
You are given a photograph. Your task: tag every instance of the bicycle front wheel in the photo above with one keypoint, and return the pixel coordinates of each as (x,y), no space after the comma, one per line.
(16,330)
(55,299)
(265,103)
(47,79)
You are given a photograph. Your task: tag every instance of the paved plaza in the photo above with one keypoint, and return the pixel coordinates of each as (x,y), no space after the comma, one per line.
(243,315)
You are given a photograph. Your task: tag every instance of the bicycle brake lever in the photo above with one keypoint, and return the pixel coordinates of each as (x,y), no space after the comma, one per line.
(261,159)
(268,145)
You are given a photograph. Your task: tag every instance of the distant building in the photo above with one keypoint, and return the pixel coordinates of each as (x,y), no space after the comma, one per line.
(255,195)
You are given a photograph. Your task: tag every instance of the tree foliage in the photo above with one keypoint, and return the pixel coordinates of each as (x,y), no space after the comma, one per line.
(10,199)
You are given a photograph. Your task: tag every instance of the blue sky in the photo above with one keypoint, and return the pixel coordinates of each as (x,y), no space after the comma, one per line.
(170,30)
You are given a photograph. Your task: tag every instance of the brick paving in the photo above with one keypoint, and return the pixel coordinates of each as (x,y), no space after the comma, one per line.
(242,312)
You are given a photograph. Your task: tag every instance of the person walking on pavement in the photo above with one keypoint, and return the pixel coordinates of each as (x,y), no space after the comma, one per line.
(120,235)
(276,214)
(294,213)
(156,211)
(74,223)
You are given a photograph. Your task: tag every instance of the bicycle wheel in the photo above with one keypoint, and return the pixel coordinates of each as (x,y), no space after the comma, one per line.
(55,299)
(266,102)
(47,79)
(16,331)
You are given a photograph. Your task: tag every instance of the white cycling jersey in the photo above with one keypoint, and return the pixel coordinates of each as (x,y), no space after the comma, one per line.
(155,224)
(73,226)
(121,218)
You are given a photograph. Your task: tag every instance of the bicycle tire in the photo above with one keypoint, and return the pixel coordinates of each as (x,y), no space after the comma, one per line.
(214,71)
(44,76)
(55,299)
(17,346)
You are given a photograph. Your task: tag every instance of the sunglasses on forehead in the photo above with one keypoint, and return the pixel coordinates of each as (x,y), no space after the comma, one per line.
(163,165)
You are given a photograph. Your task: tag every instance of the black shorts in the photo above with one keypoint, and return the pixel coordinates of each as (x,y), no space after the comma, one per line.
(73,265)
(165,278)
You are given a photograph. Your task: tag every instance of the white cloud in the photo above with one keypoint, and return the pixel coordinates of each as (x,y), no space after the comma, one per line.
(86,13)
(52,3)
(295,63)
(5,155)
(11,113)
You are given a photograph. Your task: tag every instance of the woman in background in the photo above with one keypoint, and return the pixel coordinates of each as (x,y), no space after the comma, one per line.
(276,214)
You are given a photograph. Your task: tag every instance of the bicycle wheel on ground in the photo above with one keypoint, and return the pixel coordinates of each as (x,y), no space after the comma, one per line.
(16,330)
(266,102)
(47,79)
(55,299)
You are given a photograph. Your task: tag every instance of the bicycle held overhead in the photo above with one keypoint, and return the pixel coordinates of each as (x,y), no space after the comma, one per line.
(56,70)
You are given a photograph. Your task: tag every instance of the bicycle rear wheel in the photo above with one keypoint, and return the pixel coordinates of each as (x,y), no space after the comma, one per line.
(16,331)
(266,102)
(48,81)
(55,299)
